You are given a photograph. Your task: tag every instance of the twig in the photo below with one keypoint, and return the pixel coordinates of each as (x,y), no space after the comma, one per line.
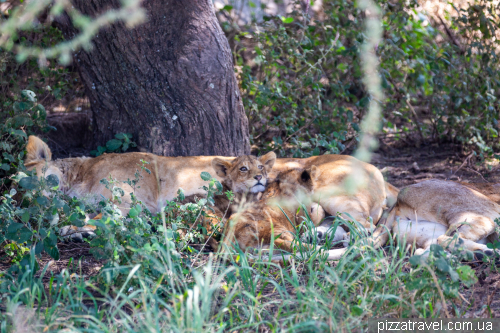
(460,167)
(300,129)
(439,290)
(60,147)
(450,35)
(416,120)
(347,146)
(478,173)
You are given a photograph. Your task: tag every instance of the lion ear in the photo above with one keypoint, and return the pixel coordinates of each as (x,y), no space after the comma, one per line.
(312,173)
(221,167)
(268,160)
(37,150)
(315,172)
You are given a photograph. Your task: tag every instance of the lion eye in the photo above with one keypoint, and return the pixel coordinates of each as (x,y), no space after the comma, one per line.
(260,167)
(243,169)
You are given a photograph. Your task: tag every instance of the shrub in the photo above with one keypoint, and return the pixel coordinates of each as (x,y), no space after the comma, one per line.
(300,76)
(23,117)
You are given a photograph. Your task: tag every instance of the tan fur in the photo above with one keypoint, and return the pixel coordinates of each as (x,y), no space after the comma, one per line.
(460,211)
(80,177)
(37,150)
(275,215)
(331,192)
(246,176)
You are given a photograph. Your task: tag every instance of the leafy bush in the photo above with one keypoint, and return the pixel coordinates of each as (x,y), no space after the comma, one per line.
(23,117)
(300,76)
(438,275)
(121,142)
(32,218)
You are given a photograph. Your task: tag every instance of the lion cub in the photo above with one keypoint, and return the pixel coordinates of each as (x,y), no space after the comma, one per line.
(246,176)
(272,216)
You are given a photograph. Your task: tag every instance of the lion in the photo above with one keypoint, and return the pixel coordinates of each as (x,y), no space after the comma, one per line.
(246,177)
(81,177)
(445,213)
(330,190)
(277,215)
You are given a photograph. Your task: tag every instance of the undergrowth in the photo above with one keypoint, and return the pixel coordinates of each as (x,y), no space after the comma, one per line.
(153,280)
(301,79)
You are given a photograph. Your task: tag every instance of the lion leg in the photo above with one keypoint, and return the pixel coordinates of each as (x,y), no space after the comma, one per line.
(212,222)
(77,234)
(350,208)
(469,231)
(325,231)
(381,234)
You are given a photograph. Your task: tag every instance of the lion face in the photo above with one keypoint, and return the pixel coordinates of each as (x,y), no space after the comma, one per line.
(245,173)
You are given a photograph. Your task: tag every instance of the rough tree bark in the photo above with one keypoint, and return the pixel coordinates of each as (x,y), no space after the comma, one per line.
(170,81)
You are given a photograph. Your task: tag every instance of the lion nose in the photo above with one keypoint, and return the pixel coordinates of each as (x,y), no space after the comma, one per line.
(258,177)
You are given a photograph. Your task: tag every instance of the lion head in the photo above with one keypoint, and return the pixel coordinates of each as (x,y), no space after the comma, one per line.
(245,173)
(299,182)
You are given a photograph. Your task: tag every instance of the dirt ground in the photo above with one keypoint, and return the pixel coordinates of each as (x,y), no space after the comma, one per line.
(402,165)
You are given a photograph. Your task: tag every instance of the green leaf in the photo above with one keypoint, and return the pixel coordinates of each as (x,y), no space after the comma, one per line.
(133,213)
(14,227)
(18,233)
(5,167)
(467,275)
(40,110)
(66,210)
(356,310)
(205,176)
(180,194)
(287,20)
(42,200)
(415,260)
(121,136)
(26,216)
(43,233)
(52,181)
(218,185)
(442,265)
(50,246)
(113,145)
(28,95)
(58,203)
(38,247)
(29,183)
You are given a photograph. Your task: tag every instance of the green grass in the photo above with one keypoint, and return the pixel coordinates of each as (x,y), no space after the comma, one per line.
(164,291)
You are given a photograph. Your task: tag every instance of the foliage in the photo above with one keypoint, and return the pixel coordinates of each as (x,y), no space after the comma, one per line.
(170,291)
(22,118)
(21,18)
(121,239)
(121,142)
(32,217)
(440,273)
(45,80)
(300,76)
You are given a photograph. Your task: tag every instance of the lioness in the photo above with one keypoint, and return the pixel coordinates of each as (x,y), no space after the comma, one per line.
(80,176)
(440,212)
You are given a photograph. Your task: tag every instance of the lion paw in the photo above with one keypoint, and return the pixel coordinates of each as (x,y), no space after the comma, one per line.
(321,234)
(76,234)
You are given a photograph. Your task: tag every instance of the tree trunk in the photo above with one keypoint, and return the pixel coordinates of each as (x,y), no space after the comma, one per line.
(169,81)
